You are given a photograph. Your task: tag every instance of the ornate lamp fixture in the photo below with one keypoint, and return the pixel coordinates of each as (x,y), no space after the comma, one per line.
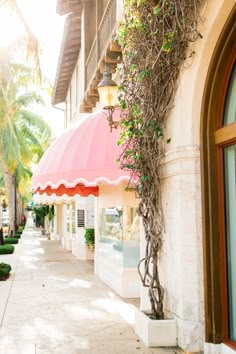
(107,90)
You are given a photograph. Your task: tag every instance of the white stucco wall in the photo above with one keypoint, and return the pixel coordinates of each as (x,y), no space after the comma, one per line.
(80,249)
(181,261)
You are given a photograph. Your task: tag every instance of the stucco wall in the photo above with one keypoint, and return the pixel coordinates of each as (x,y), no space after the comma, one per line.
(181,260)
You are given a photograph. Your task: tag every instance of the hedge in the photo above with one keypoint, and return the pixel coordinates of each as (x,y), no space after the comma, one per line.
(6,249)
(4,270)
(11,240)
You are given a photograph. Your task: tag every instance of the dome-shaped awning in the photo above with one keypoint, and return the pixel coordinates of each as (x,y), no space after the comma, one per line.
(85,154)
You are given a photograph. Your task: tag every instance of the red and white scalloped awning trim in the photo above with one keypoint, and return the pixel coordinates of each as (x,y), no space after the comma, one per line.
(85,154)
(53,199)
(70,192)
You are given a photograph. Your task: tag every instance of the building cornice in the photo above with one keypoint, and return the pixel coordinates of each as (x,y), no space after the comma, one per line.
(70,48)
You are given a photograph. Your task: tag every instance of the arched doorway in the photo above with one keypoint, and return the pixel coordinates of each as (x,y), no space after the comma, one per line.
(218,156)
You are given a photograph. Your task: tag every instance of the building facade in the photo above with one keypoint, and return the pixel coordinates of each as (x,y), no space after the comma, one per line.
(197,263)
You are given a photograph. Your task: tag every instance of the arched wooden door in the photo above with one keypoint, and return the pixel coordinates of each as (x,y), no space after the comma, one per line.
(218,135)
(225,140)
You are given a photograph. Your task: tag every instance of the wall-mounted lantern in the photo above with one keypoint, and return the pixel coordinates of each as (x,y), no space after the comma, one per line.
(108,95)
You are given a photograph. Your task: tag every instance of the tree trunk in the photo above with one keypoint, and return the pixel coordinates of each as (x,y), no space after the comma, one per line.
(9,187)
(1,216)
(1,237)
(19,209)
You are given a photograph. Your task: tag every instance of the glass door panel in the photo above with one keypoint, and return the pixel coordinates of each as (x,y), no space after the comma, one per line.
(230,231)
(230,103)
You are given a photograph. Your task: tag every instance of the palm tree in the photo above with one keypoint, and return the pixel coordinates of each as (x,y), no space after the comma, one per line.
(23,190)
(23,134)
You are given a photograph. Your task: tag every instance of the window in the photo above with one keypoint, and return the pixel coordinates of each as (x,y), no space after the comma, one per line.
(225,138)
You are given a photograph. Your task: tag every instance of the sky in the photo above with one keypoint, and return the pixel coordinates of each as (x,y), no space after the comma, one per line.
(47,26)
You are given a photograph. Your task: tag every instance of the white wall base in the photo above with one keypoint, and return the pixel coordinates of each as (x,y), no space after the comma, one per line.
(57,236)
(190,335)
(210,348)
(63,241)
(80,250)
(124,281)
(73,249)
(225,349)
(155,333)
(68,242)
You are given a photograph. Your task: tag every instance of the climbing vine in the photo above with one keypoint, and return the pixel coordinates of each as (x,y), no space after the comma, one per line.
(156,38)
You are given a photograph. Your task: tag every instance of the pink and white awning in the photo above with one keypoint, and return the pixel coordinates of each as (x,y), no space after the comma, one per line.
(85,154)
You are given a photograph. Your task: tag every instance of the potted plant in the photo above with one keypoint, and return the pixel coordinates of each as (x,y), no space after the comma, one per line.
(50,215)
(39,212)
(90,239)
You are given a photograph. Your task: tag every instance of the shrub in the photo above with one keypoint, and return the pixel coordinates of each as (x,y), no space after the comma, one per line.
(17,236)
(4,270)
(89,238)
(39,213)
(6,249)
(19,232)
(11,240)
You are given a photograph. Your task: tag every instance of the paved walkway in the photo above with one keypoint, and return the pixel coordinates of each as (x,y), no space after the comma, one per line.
(54,304)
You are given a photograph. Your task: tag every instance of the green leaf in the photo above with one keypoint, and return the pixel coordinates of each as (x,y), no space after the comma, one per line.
(144,178)
(156,10)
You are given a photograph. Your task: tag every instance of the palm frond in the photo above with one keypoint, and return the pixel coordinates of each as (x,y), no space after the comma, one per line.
(23,134)
(24,76)
(23,179)
(35,121)
(22,172)
(27,99)
(11,147)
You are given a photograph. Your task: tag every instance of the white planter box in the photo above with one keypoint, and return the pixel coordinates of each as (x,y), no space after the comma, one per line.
(155,333)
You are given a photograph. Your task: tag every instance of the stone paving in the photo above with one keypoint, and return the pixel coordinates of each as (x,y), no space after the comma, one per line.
(54,304)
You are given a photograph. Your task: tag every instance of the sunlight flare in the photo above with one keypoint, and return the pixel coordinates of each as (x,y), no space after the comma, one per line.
(11,29)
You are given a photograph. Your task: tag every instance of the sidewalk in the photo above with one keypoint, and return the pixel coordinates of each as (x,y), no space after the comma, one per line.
(54,304)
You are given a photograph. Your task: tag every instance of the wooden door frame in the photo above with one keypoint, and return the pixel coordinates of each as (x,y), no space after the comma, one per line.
(211,160)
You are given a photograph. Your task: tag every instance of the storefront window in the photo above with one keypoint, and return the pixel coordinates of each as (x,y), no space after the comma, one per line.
(119,235)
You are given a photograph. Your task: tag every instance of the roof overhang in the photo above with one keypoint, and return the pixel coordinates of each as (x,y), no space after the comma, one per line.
(70,48)
(65,6)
